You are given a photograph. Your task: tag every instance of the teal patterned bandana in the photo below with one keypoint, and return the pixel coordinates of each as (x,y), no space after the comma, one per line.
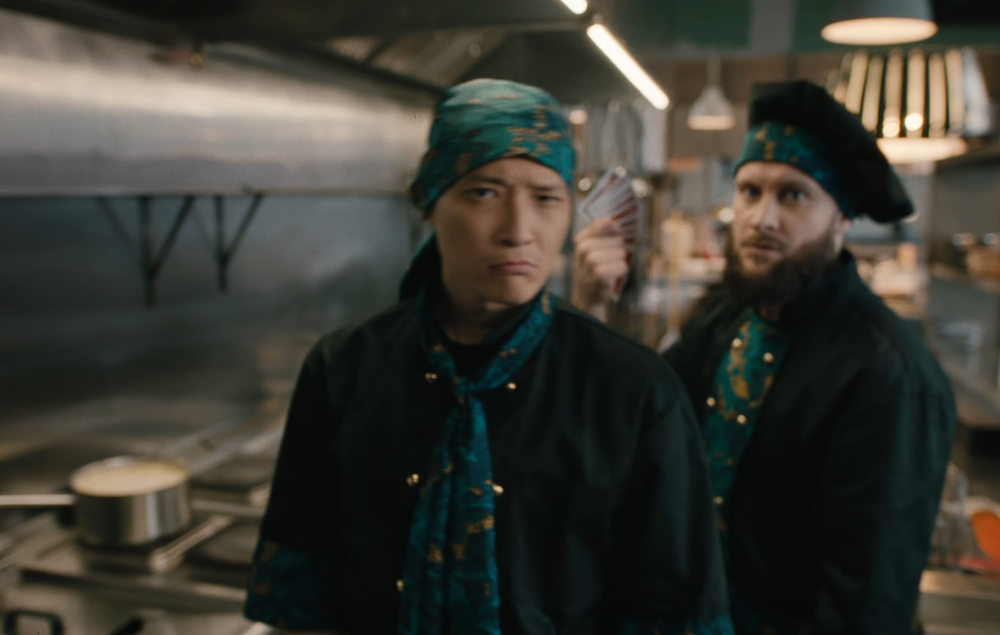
(484,120)
(450,580)
(784,143)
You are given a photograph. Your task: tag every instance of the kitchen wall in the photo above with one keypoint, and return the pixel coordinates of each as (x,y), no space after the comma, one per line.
(88,114)
(72,318)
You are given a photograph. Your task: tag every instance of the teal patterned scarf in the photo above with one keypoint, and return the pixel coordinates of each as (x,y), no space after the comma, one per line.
(779,142)
(485,120)
(450,582)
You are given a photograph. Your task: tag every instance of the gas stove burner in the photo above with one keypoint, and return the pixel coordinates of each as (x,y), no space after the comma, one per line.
(233,546)
(244,479)
(161,556)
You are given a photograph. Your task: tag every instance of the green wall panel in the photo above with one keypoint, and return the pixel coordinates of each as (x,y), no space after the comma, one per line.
(659,24)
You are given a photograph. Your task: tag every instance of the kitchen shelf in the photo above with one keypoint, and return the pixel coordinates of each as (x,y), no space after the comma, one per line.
(949,273)
(977,401)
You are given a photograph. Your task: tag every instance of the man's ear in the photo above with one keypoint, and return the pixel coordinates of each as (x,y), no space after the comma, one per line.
(844,223)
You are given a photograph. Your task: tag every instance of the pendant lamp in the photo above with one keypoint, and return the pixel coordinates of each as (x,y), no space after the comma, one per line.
(874,22)
(921,106)
(712,111)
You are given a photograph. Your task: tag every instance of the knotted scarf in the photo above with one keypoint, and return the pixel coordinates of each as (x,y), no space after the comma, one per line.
(450,581)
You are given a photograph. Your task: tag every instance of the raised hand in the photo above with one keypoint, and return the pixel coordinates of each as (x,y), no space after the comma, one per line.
(600,263)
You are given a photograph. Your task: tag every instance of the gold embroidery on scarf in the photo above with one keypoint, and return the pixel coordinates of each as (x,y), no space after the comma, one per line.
(463,162)
(434,555)
(522,137)
(737,365)
(477,528)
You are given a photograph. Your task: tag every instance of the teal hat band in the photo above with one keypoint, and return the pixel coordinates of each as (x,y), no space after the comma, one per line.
(779,142)
(484,120)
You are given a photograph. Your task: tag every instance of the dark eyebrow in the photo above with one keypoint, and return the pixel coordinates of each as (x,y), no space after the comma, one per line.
(801,184)
(798,183)
(493,180)
(487,179)
(544,187)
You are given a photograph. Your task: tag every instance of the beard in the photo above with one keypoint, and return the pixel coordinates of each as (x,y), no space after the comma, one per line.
(786,278)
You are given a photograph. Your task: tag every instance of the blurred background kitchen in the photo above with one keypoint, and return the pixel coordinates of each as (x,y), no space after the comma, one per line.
(192,192)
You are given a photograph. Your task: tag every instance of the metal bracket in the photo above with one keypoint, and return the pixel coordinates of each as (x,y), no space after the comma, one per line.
(150,258)
(224,253)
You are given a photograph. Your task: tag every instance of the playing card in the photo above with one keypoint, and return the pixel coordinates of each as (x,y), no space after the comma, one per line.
(613,196)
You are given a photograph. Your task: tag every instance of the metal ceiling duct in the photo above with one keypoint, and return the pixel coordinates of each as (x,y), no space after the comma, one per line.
(86,113)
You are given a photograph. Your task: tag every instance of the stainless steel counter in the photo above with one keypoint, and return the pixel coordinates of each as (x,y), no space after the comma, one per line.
(187,585)
(958,604)
(87,612)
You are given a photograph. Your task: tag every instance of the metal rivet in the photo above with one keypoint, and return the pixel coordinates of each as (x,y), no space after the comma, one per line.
(718,500)
(737,343)
(711,402)
(399,585)
(497,490)
(412,479)
(431,377)
(768,358)
(511,386)
(741,419)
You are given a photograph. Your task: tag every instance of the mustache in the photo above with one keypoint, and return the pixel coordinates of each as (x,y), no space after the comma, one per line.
(765,241)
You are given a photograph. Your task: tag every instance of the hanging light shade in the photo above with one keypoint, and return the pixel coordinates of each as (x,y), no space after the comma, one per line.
(872,22)
(712,111)
(921,107)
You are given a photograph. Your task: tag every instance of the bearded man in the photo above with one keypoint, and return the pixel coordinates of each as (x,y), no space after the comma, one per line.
(827,421)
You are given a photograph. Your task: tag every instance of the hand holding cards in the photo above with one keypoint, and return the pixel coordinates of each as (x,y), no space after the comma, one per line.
(613,197)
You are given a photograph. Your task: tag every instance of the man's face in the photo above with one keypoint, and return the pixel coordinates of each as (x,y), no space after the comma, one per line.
(786,229)
(500,230)
(777,211)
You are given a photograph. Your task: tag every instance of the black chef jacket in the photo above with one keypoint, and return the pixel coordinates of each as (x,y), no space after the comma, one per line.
(606,508)
(836,495)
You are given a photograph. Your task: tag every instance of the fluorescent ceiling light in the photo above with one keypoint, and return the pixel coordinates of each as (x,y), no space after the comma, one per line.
(621,58)
(910,150)
(576,6)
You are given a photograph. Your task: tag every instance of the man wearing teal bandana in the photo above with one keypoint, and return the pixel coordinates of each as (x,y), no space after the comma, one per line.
(482,458)
(827,421)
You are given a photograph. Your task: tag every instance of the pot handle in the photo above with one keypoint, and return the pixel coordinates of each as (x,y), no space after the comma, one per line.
(37,500)
(11,618)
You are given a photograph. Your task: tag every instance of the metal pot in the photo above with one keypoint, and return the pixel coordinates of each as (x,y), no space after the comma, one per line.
(122,501)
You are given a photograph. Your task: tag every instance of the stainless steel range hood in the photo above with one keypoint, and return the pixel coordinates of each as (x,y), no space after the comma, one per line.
(88,113)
